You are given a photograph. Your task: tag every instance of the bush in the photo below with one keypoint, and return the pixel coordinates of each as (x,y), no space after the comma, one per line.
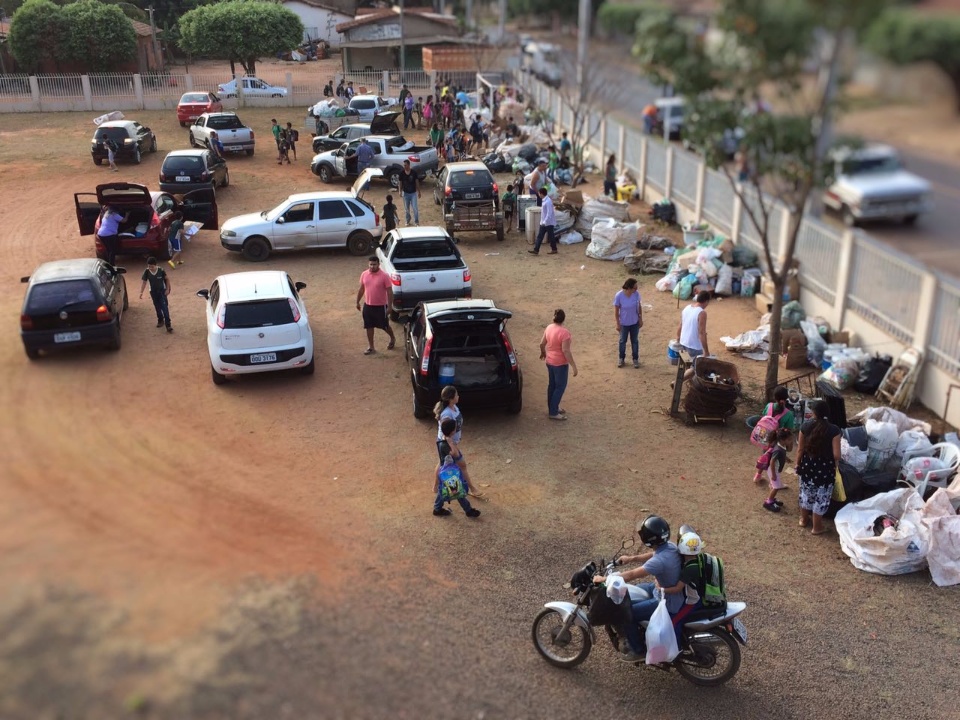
(615,19)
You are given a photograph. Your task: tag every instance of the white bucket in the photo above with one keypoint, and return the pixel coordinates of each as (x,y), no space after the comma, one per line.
(673,352)
(447,373)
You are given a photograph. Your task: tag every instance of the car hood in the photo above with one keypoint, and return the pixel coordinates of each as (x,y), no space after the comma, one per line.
(249,222)
(328,155)
(123,194)
(899,182)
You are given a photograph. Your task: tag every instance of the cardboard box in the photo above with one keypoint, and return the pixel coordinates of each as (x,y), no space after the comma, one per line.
(764,303)
(838,336)
(788,337)
(792,288)
(794,360)
(573,197)
(793,349)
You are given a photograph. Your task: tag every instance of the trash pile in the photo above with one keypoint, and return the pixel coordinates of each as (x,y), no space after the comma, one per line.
(330,108)
(710,265)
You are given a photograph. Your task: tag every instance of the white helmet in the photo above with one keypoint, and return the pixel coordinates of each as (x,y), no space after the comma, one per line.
(690,544)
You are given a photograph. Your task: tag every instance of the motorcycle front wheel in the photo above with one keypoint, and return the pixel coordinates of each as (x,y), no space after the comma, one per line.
(713,658)
(562,649)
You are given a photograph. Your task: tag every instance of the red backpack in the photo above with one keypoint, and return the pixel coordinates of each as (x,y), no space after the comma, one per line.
(766,427)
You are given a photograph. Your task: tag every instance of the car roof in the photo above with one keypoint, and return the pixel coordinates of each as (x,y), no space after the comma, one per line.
(466,165)
(864,152)
(194,152)
(365,97)
(323,195)
(65,270)
(117,124)
(670,102)
(416,233)
(254,285)
(443,305)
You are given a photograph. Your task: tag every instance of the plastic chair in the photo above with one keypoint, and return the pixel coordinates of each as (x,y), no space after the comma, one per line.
(947,452)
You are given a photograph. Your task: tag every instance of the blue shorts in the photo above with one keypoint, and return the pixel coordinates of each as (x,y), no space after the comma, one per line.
(175,244)
(691,352)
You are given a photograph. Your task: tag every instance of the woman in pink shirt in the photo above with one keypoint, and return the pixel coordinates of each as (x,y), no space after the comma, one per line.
(555,350)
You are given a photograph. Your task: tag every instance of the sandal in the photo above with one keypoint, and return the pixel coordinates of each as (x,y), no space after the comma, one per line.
(369,351)
(821,532)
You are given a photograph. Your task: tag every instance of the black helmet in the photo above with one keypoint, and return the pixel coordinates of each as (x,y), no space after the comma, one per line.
(654,531)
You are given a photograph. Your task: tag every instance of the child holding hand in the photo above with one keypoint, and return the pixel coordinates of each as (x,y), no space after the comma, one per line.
(774,458)
(451,481)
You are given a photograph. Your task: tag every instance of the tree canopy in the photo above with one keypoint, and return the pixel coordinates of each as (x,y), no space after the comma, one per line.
(908,36)
(37,30)
(240,30)
(100,36)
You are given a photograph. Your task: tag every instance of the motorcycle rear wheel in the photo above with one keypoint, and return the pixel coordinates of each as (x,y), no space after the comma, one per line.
(566,652)
(713,658)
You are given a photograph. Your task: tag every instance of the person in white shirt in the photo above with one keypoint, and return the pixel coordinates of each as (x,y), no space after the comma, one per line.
(548,221)
(692,331)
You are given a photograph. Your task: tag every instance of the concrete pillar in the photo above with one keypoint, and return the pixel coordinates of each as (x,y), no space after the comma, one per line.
(701,191)
(138,90)
(289,87)
(621,147)
(668,181)
(845,265)
(240,95)
(35,92)
(603,142)
(737,218)
(188,82)
(925,311)
(385,82)
(87,92)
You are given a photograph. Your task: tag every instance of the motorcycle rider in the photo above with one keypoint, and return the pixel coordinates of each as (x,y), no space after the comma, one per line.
(663,564)
(689,545)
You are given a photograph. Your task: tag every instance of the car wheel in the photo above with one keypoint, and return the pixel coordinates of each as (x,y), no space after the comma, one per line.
(218,379)
(136,156)
(115,343)
(153,144)
(256,249)
(276,95)
(910,219)
(309,368)
(394,316)
(193,142)
(849,219)
(360,243)
(32,353)
(419,411)
(230,96)
(164,252)
(436,199)
(226,178)
(182,124)
(250,152)
(126,300)
(393,177)
(97,161)
(323,172)
(516,406)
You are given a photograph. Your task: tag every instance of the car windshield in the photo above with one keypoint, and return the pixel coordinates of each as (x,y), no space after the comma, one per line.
(470,178)
(183,163)
(861,166)
(194,98)
(363,104)
(276,212)
(260,313)
(52,296)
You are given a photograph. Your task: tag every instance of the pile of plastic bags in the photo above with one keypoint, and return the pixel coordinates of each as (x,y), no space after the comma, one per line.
(600,207)
(613,240)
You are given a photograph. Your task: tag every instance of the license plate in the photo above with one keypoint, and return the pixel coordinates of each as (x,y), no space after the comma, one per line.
(66,337)
(740,629)
(183,178)
(235,148)
(263,358)
(471,196)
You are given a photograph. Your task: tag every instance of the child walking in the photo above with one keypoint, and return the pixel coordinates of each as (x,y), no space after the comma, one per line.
(391,215)
(772,461)
(509,203)
(450,481)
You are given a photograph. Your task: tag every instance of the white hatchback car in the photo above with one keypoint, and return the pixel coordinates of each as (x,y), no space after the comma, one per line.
(308,220)
(257,322)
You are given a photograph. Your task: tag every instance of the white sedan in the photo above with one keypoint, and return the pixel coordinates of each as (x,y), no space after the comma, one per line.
(252,87)
(257,322)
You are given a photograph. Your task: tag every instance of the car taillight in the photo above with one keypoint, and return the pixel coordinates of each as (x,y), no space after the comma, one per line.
(204,175)
(447,192)
(466,276)
(425,360)
(376,220)
(395,279)
(496,189)
(26,322)
(294,309)
(413,158)
(252,135)
(510,354)
(155,220)
(221,315)
(104,314)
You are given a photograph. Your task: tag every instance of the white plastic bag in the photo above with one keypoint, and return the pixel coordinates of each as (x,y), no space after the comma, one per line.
(724,281)
(882,438)
(612,240)
(918,467)
(661,638)
(896,551)
(852,455)
(571,237)
(943,556)
(911,441)
(616,588)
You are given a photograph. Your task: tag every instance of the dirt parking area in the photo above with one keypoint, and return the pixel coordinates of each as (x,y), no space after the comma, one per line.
(172,549)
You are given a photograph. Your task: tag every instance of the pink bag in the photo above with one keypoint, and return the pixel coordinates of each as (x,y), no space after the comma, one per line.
(766,428)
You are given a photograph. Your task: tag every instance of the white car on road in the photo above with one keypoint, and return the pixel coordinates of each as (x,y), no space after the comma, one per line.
(257,322)
(252,87)
(308,220)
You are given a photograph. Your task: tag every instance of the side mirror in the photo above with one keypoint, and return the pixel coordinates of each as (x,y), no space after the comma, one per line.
(281,220)
(25,279)
(205,294)
(120,271)
(300,286)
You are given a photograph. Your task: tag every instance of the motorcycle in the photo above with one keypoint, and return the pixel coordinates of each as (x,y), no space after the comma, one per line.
(564,632)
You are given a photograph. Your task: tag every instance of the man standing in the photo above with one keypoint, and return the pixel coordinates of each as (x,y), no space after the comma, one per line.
(565,145)
(364,155)
(275,129)
(292,136)
(537,179)
(628,315)
(692,332)
(403,94)
(328,89)
(159,290)
(349,92)
(547,223)
(109,232)
(376,294)
(650,114)
(410,187)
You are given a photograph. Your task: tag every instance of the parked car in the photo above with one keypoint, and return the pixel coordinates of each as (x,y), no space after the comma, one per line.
(466,339)
(370,105)
(308,220)
(133,140)
(147,231)
(257,322)
(252,87)
(870,183)
(234,135)
(423,264)
(72,303)
(470,198)
(194,104)
(389,152)
(670,116)
(186,170)
(382,124)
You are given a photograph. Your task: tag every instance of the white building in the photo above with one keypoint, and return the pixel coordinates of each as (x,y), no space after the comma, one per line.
(321,17)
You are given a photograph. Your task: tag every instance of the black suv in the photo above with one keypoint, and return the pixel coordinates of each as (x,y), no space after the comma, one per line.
(133,140)
(70,303)
(463,342)
(470,198)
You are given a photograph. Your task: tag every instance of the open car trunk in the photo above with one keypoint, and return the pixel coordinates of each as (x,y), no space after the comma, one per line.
(478,360)
(138,224)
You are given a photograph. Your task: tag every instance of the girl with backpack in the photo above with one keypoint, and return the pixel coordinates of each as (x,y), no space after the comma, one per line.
(771,463)
(444,410)
(451,482)
(775,415)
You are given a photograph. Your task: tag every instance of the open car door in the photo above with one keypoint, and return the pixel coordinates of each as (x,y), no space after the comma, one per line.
(88,210)
(201,206)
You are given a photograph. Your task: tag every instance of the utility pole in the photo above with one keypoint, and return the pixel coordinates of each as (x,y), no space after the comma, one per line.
(583,40)
(156,45)
(501,26)
(403,49)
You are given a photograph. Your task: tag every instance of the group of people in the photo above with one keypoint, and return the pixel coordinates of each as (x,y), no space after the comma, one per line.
(286,139)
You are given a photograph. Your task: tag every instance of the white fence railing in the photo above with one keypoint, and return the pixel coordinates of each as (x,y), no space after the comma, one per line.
(888,299)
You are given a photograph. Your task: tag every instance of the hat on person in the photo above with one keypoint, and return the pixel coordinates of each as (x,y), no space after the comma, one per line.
(542,161)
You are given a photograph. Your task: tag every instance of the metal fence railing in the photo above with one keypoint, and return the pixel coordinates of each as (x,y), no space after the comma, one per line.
(683,185)
(112,85)
(818,250)
(60,86)
(944,346)
(749,233)
(633,152)
(164,85)
(884,288)
(15,87)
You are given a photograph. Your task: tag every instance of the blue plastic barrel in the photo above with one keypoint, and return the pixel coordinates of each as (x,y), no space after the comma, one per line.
(447,373)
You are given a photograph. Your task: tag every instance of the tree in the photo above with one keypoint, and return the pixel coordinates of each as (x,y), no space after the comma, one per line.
(910,36)
(555,9)
(240,30)
(100,36)
(37,31)
(763,47)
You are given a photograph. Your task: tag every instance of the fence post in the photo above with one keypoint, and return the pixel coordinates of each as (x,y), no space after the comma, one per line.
(240,95)
(701,191)
(737,218)
(845,263)
(559,116)
(87,92)
(385,81)
(925,311)
(138,90)
(35,92)
(668,181)
(433,84)
(289,89)
(642,172)
(785,218)
(188,82)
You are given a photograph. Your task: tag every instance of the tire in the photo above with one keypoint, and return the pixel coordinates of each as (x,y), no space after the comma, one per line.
(137,157)
(516,406)
(164,252)
(360,243)
(500,235)
(419,411)
(436,200)
(182,124)
(126,299)
(226,179)
(393,178)
(848,217)
(394,316)
(97,161)
(218,379)
(276,95)
(911,219)
(701,667)
(325,173)
(544,634)
(115,343)
(250,152)
(193,142)
(256,249)
(309,368)
(153,144)
(32,354)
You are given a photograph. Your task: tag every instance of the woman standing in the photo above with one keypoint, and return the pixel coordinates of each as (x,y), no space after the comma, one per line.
(555,350)
(447,408)
(610,177)
(818,453)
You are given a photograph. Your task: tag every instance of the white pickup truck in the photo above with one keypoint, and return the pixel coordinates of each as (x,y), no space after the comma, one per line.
(423,264)
(389,152)
(870,183)
(234,135)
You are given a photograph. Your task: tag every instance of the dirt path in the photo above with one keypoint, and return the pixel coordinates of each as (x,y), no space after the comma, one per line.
(170,549)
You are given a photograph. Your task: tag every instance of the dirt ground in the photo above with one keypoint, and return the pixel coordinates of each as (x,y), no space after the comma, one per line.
(172,549)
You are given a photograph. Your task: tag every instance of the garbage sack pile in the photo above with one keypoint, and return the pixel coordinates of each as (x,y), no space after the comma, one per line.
(601,207)
(704,264)
(612,240)
(510,108)
(652,255)
(899,419)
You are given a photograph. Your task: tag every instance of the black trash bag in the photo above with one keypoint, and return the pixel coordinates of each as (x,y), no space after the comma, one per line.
(872,374)
(665,212)
(528,151)
(496,164)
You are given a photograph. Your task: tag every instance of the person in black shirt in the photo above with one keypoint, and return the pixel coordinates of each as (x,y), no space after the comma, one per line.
(410,187)
(391,215)
(818,453)
(159,290)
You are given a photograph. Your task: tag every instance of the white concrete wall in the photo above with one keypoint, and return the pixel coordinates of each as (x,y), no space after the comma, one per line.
(325,21)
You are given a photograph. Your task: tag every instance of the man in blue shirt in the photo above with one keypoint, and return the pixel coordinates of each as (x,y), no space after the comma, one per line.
(109,232)
(548,221)
(364,156)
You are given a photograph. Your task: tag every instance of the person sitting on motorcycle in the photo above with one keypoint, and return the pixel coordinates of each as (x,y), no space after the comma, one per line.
(691,577)
(663,564)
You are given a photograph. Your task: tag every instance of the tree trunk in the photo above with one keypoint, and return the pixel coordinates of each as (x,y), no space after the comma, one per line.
(233,68)
(773,363)
(250,66)
(954,76)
